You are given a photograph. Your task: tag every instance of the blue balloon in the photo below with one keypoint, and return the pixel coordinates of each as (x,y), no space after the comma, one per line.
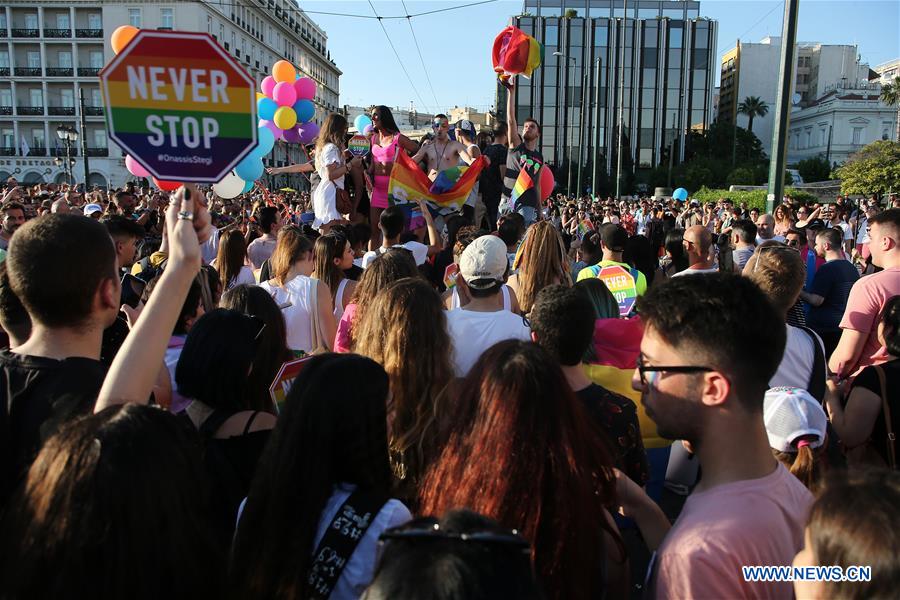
(680,194)
(265,108)
(250,169)
(361,121)
(305,110)
(265,141)
(248,185)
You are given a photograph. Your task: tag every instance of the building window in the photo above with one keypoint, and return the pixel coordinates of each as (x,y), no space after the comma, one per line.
(7,136)
(65,59)
(808,139)
(95,21)
(62,21)
(5,97)
(99,138)
(67,97)
(857,134)
(134,17)
(822,137)
(37,97)
(96,97)
(167,18)
(31,21)
(4,59)
(3,20)
(37,136)
(208,24)
(34,60)
(96,59)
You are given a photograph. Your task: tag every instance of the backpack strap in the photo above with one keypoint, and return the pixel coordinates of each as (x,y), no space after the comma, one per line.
(343,535)
(213,422)
(891,441)
(816,384)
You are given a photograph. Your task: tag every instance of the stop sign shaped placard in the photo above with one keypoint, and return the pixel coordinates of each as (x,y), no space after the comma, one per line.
(180,105)
(623,286)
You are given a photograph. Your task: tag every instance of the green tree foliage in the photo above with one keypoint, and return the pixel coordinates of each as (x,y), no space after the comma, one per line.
(814,169)
(875,169)
(571,13)
(890,95)
(752,106)
(740,176)
(753,198)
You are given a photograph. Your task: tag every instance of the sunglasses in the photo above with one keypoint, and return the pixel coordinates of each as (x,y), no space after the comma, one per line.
(643,369)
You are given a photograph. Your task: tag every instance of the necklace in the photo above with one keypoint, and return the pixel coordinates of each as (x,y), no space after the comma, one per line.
(438,165)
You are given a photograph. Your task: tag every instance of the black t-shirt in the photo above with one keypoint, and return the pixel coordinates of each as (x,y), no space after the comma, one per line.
(617,417)
(354,273)
(38,396)
(516,159)
(832,281)
(491,182)
(868,379)
(113,338)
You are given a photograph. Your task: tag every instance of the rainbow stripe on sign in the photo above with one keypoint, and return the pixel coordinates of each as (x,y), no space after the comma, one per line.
(188,119)
(358,145)
(622,285)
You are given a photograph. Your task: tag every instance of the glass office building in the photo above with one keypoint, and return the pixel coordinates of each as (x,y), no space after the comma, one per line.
(669,69)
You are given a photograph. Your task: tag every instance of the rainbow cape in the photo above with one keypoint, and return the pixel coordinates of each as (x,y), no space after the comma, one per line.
(584,227)
(616,345)
(449,191)
(515,53)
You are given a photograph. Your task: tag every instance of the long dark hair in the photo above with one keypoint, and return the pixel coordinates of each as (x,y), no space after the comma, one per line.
(333,430)
(272,350)
(386,119)
(549,474)
(394,264)
(113,507)
(231,257)
(326,249)
(675,246)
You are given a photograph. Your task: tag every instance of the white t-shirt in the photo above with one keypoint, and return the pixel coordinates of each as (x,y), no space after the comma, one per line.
(293,299)
(777,238)
(473,332)
(694,272)
(799,358)
(245,275)
(419,252)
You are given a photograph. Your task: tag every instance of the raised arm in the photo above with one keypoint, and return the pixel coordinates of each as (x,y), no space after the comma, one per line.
(434,241)
(408,145)
(512,128)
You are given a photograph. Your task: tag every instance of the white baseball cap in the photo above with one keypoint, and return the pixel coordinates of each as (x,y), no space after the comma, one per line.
(484,262)
(90,209)
(790,413)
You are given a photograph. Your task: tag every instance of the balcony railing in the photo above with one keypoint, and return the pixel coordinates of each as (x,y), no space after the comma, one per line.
(88,71)
(30,110)
(27,71)
(7,151)
(89,33)
(4,71)
(98,151)
(93,111)
(6,110)
(57,33)
(61,151)
(37,151)
(26,33)
(60,71)
(61,110)
(3,32)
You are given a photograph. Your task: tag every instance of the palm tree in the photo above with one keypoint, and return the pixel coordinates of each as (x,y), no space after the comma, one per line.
(890,95)
(752,106)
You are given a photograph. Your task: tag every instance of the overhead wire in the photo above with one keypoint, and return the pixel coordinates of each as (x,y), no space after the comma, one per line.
(419,50)
(752,27)
(397,54)
(361,16)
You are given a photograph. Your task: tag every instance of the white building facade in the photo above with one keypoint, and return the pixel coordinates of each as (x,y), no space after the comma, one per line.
(51,53)
(887,71)
(840,123)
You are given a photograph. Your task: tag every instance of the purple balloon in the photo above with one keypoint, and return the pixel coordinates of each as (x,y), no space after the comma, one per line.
(292,135)
(368,129)
(308,132)
(275,129)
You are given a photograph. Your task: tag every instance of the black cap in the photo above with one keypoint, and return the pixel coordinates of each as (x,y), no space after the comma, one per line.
(613,237)
(814,225)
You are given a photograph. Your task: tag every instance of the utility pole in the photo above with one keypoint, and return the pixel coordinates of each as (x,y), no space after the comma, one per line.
(782,105)
(595,173)
(621,99)
(581,137)
(84,146)
(671,156)
(737,83)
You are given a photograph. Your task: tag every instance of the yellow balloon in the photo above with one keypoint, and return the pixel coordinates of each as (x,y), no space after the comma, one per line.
(285,117)
(259,96)
(284,71)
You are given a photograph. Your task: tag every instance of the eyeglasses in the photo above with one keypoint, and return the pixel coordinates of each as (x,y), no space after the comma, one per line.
(439,125)
(792,243)
(428,529)
(643,369)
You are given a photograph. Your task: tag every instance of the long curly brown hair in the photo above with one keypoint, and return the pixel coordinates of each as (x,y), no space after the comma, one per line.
(541,262)
(405,330)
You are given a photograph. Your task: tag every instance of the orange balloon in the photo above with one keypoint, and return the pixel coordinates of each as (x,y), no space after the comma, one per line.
(121,36)
(284,71)
(166,186)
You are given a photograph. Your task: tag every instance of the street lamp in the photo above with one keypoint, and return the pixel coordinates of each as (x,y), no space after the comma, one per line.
(566,130)
(69,136)
(582,142)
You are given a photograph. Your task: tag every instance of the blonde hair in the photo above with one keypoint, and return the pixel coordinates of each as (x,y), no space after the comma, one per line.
(291,247)
(806,464)
(779,271)
(541,262)
(333,131)
(405,330)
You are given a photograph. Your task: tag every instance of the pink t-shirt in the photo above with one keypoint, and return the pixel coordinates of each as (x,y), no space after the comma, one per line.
(867,299)
(747,523)
(345,325)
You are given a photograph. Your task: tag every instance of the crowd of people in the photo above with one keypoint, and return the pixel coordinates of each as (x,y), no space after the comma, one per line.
(571,398)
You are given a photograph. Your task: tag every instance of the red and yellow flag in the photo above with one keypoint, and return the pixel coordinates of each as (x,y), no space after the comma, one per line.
(449,191)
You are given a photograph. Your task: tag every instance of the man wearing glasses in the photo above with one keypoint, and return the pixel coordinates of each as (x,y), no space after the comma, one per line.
(703,380)
(441,153)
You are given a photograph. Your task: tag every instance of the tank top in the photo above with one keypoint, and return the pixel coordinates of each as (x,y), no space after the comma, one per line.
(339,300)
(293,300)
(507,303)
(385,154)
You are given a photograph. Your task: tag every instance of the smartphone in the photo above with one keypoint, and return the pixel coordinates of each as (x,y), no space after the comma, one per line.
(132,290)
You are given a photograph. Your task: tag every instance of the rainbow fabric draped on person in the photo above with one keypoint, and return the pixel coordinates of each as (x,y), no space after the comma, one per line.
(408,184)
(516,53)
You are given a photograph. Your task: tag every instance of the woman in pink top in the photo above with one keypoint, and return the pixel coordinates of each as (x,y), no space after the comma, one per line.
(386,142)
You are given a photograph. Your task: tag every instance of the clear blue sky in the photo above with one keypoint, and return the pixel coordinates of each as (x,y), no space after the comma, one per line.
(456,45)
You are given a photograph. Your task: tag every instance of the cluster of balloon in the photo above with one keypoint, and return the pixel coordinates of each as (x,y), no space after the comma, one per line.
(363,124)
(120,38)
(285,109)
(516,53)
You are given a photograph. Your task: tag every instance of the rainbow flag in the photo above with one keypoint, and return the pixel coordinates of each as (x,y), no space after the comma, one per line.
(584,227)
(409,184)
(516,52)
(616,345)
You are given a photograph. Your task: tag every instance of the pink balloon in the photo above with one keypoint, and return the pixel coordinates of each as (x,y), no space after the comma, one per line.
(135,168)
(267,85)
(308,132)
(292,135)
(284,94)
(306,88)
(275,129)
